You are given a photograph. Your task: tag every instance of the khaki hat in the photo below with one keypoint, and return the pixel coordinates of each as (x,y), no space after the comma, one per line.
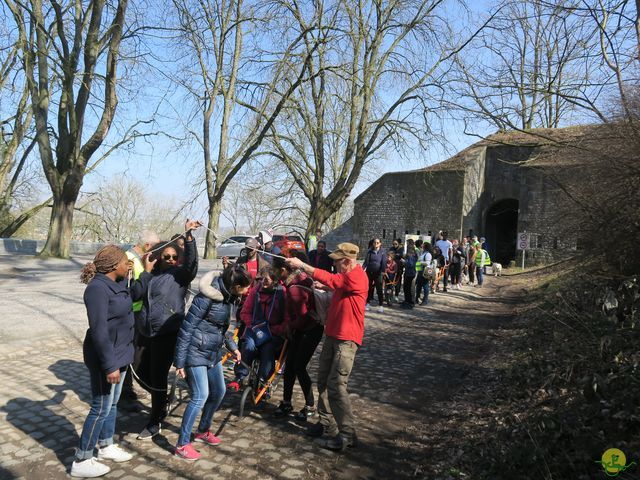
(252,243)
(345,250)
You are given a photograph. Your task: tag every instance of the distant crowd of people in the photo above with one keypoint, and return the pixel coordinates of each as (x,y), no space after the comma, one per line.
(418,268)
(138,326)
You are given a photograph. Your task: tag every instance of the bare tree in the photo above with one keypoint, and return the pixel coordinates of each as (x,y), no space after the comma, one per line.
(376,78)
(545,64)
(14,127)
(64,44)
(226,85)
(120,208)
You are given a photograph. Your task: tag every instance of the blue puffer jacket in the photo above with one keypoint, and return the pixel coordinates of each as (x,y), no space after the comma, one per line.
(203,331)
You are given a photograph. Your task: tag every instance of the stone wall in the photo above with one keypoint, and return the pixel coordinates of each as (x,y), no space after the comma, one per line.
(409,202)
(16,246)
(344,233)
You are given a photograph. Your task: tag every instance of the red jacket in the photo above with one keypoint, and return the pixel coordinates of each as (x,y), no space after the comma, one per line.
(345,319)
(300,303)
(279,317)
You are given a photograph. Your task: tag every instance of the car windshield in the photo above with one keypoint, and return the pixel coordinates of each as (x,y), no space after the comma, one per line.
(294,238)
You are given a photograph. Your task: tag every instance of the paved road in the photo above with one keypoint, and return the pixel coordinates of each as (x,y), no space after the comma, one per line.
(408,359)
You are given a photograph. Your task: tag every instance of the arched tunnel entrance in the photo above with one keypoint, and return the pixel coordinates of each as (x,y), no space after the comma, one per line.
(501,229)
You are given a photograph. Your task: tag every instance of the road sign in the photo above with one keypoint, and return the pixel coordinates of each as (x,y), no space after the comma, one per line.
(523,241)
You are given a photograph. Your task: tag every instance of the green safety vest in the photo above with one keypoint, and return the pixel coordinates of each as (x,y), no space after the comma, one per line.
(138,268)
(480,257)
(313,242)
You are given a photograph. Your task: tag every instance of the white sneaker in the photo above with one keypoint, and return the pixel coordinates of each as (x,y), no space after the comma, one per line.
(367,307)
(115,453)
(380,309)
(397,300)
(89,468)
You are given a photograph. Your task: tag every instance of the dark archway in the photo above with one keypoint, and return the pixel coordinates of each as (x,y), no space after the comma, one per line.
(501,230)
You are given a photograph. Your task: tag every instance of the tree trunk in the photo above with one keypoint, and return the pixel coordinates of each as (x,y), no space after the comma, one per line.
(318,215)
(215,208)
(60,227)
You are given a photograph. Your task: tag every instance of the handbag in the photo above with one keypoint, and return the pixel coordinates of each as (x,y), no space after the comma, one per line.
(261,333)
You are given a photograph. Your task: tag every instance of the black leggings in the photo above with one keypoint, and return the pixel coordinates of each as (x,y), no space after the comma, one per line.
(455,269)
(301,349)
(156,362)
(407,284)
(375,281)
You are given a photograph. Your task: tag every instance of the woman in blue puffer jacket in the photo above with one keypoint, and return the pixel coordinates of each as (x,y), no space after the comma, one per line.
(198,353)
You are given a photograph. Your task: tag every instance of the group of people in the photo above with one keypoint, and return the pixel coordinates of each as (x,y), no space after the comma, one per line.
(136,304)
(419,268)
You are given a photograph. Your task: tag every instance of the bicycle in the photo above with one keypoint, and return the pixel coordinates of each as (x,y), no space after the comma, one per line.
(256,390)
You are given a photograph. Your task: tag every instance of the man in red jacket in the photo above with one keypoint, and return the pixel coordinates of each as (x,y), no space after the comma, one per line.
(344,331)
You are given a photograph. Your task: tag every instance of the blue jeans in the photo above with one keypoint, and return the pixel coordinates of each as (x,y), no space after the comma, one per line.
(423,284)
(207,389)
(266,352)
(480,274)
(100,425)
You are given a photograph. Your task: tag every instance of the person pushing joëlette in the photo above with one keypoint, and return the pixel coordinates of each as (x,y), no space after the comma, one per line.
(344,332)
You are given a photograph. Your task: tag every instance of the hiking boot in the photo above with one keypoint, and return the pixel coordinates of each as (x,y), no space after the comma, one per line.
(91,468)
(306,413)
(115,453)
(187,452)
(339,443)
(150,431)
(315,430)
(206,437)
(283,409)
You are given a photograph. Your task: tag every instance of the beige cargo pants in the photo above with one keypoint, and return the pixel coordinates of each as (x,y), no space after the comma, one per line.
(334,406)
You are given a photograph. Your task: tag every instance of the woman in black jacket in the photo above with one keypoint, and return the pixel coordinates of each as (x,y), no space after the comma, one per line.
(198,353)
(160,319)
(108,350)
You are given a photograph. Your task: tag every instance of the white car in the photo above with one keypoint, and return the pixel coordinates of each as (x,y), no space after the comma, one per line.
(232,246)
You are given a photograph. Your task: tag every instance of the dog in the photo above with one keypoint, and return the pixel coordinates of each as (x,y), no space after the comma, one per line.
(497,269)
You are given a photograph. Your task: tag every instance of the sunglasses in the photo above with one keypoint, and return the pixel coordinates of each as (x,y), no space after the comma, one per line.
(170,257)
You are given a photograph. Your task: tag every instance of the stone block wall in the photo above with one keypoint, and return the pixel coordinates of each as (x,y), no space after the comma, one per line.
(409,202)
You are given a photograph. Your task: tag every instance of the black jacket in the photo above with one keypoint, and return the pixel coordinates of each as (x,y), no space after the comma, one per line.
(163,307)
(323,261)
(375,262)
(108,344)
(203,331)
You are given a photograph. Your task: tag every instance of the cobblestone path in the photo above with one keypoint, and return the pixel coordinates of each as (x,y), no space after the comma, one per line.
(408,360)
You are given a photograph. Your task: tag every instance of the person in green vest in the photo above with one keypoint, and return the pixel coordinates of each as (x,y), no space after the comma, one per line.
(481,259)
(312,243)
(128,398)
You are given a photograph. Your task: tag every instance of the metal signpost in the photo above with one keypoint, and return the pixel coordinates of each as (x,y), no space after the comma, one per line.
(523,244)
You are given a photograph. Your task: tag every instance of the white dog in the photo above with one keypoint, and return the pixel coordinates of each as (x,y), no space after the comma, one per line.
(497,269)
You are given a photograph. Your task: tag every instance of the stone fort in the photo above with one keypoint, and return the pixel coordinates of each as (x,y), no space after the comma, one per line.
(495,188)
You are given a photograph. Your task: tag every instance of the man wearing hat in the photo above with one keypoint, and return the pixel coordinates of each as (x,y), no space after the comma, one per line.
(251,258)
(344,331)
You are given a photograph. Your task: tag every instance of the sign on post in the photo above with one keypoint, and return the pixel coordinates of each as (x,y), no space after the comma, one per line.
(523,241)
(523,244)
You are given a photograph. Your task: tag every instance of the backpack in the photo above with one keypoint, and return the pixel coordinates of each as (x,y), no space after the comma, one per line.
(322,301)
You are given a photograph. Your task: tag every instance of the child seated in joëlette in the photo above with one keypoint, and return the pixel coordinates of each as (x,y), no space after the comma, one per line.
(265,317)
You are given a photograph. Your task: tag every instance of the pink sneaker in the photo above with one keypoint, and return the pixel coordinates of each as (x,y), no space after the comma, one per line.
(188,452)
(207,437)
